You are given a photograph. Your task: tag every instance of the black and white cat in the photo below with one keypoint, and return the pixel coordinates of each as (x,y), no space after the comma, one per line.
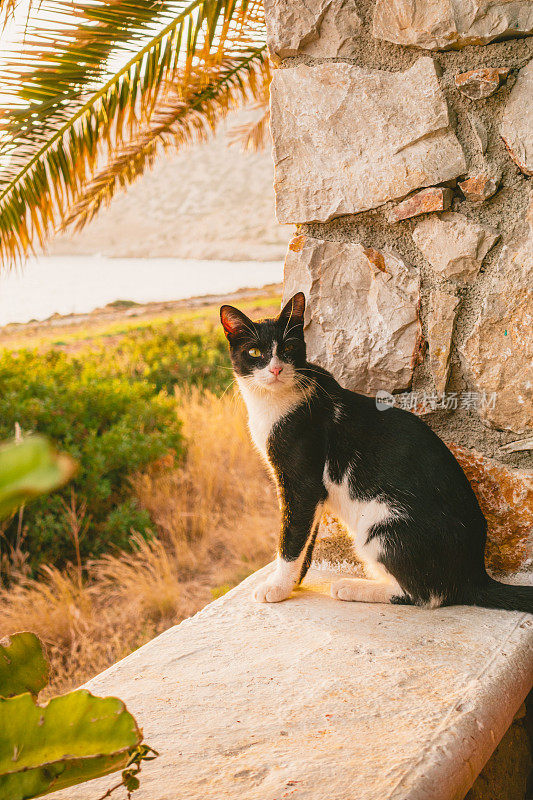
(413,516)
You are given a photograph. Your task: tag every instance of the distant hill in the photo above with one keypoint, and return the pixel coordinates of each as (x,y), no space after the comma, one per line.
(211,201)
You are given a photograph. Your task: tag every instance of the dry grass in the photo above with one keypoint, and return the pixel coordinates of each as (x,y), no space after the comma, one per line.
(216,518)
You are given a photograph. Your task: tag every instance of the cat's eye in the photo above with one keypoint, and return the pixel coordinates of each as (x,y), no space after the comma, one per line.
(254,352)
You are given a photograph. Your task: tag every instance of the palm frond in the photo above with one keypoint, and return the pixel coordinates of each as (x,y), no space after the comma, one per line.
(63,63)
(7,12)
(72,106)
(187,114)
(254,134)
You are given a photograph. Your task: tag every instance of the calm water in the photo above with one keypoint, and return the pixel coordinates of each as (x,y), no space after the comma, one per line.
(78,284)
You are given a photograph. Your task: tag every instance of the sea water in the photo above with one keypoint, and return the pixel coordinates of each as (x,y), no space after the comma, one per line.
(78,284)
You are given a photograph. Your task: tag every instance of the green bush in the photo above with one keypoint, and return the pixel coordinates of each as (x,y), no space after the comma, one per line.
(111,425)
(112,409)
(166,355)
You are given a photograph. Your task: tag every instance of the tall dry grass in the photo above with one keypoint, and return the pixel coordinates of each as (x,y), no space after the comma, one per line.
(216,519)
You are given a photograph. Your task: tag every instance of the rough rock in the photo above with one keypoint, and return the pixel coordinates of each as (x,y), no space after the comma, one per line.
(324,28)
(479,188)
(480,132)
(506,773)
(451,24)
(361,318)
(435,199)
(517,446)
(454,245)
(440,321)
(480,83)
(498,352)
(348,139)
(517,122)
(505,496)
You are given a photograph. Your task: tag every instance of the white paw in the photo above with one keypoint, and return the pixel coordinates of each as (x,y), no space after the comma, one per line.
(343,590)
(271,591)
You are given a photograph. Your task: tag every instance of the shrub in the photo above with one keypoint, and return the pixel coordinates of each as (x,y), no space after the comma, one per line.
(112,425)
(167,355)
(112,408)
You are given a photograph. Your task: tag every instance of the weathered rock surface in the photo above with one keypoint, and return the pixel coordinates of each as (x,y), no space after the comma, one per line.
(480,131)
(362,316)
(506,773)
(498,353)
(436,198)
(517,122)
(505,496)
(451,24)
(316,699)
(440,321)
(477,84)
(348,139)
(454,245)
(324,28)
(479,188)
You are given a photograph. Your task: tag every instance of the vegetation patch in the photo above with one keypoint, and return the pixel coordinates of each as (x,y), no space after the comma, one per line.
(113,409)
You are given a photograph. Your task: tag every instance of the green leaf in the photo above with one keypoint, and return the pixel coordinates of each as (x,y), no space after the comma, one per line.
(28,469)
(72,739)
(23,667)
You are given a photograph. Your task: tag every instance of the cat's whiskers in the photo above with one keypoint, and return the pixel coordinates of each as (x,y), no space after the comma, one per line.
(228,387)
(307,390)
(315,383)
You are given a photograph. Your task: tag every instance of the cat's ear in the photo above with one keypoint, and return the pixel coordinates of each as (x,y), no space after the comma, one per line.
(234,322)
(293,311)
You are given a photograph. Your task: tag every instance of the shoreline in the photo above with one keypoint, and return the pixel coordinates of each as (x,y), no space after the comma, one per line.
(125,310)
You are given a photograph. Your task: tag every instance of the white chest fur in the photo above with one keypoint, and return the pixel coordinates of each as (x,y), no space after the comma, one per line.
(265,409)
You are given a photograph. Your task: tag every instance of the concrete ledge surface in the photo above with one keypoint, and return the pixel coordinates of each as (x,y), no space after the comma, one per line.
(316,699)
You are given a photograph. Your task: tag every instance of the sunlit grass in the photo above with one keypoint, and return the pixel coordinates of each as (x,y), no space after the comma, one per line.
(216,518)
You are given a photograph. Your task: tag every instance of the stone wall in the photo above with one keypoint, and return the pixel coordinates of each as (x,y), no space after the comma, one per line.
(403,151)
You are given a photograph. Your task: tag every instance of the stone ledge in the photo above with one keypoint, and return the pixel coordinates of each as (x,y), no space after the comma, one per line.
(314,698)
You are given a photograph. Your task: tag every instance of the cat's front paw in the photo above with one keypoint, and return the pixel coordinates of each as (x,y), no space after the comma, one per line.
(343,590)
(271,591)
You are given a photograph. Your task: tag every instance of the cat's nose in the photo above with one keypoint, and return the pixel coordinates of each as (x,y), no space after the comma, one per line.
(276,370)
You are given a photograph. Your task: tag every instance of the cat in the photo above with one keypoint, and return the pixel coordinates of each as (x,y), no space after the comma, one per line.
(412,515)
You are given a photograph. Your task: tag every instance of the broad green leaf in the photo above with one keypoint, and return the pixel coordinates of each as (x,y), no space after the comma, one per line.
(71,739)
(28,469)
(23,667)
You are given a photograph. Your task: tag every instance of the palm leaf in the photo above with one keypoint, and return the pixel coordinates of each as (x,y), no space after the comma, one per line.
(7,12)
(65,119)
(186,115)
(254,134)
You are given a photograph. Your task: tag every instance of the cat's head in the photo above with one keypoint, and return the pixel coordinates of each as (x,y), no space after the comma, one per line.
(266,355)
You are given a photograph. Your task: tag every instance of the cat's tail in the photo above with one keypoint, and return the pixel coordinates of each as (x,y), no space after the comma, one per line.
(493,594)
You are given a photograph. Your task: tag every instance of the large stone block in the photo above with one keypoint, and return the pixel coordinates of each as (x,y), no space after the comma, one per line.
(517,122)
(451,24)
(324,28)
(454,245)
(505,496)
(348,139)
(362,313)
(498,353)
